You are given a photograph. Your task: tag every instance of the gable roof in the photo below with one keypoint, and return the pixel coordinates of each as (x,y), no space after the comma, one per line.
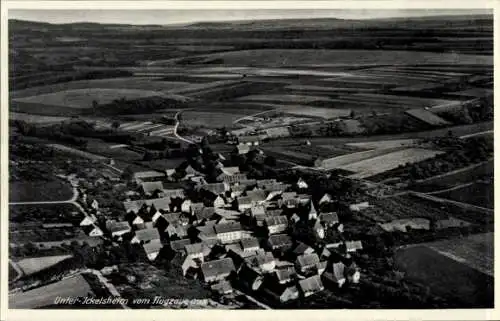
(214,188)
(179,245)
(205,213)
(232,178)
(276,220)
(148,174)
(279,240)
(285,274)
(263,258)
(249,243)
(197,248)
(257,209)
(196,207)
(257,195)
(263,182)
(231,170)
(275,212)
(288,195)
(159,203)
(115,226)
(146,235)
(178,192)
(172,217)
(329,218)
(217,267)
(152,247)
(150,187)
(227,228)
(301,248)
(311,284)
(244,200)
(307,259)
(353,245)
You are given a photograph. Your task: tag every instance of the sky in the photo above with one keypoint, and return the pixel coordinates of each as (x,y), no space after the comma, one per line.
(164,17)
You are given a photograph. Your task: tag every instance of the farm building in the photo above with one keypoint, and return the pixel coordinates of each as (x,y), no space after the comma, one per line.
(217,270)
(311,285)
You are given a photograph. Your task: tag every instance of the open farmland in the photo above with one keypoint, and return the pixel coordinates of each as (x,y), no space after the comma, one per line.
(208,119)
(383,163)
(37,119)
(383,144)
(295,57)
(457,177)
(478,193)
(39,190)
(445,276)
(83,98)
(135,83)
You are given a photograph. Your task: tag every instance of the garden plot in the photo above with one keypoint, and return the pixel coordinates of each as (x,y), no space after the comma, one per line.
(383,163)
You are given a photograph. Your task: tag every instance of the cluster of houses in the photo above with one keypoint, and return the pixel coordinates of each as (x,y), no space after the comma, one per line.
(237,232)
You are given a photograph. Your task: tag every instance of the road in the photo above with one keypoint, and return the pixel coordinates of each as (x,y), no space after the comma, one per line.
(111,288)
(459,204)
(262,305)
(478,134)
(177,123)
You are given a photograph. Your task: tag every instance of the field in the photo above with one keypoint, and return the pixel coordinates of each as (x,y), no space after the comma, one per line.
(445,276)
(427,117)
(461,176)
(383,144)
(379,164)
(135,83)
(39,190)
(294,57)
(44,213)
(77,152)
(478,193)
(83,98)
(38,119)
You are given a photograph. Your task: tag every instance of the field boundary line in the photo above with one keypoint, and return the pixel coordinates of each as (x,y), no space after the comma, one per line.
(464,169)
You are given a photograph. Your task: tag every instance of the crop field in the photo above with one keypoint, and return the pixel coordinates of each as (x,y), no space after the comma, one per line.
(383,163)
(296,57)
(478,193)
(445,276)
(475,251)
(139,83)
(83,98)
(105,149)
(461,176)
(36,119)
(427,117)
(77,152)
(208,119)
(327,113)
(401,207)
(383,144)
(301,99)
(39,190)
(345,160)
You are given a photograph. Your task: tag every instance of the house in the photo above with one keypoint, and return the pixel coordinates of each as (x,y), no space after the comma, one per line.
(359,206)
(295,218)
(170,172)
(222,288)
(291,202)
(301,184)
(328,219)
(215,188)
(242,149)
(219,202)
(179,245)
(148,188)
(217,270)
(177,230)
(205,214)
(306,262)
(197,251)
(250,244)
(275,212)
(249,140)
(319,230)
(302,249)
(229,232)
(243,203)
(118,228)
(231,170)
(231,179)
(321,267)
(206,233)
(145,236)
(88,220)
(281,292)
(140,177)
(353,246)
(195,208)
(186,206)
(93,230)
(276,224)
(227,214)
(311,285)
(262,182)
(257,210)
(190,171)
(327,250)
(138,222)
(152,249)
(250,277)
(264,261)
(133,206)
(280,242)
(336,275)
(256,196)
(285,275)
(313,214)
(173,193)
(327,198)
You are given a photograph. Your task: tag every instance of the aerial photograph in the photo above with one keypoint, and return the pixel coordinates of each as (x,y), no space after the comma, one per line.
(250,159)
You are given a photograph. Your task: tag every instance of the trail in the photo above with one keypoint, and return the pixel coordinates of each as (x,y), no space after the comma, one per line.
(177,123)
